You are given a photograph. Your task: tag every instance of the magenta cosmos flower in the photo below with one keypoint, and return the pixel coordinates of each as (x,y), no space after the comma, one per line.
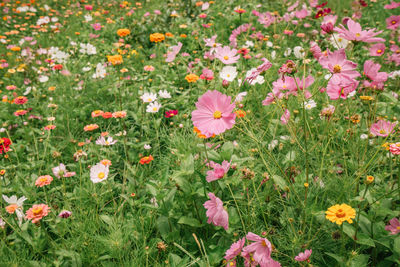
(227,55)
(234,251)
(259,251)
(393,227)
(355,33)
(218,172)
(382,128)
(303,255)
(216,213)
(214,113)
(393,22)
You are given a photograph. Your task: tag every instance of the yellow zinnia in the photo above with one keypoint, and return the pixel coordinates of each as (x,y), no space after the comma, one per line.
(340,213)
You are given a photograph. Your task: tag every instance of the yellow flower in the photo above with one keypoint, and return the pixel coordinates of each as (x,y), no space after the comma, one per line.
(115,60)
(366,97)
(340,213)
(191,78)
(370,179)
(157,37)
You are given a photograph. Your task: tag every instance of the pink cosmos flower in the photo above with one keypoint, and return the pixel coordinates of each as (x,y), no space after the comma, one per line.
(377,50)
(219,171)
(303,255)
(214,113)
(260,69)
(210,42)
(301,14)
(172,54)
(266,19)
(61,171)
(393,22)
(207,74)
(382,128)
(392,5)
(337,64)
(269,99)
(355,33)
(260,250)
(378,78)
(216,213)
(96,26)
(393,227)
(284,87)
(341,87)
(234,251)
(316,50)
(226,55)
(395,148)
(285,117)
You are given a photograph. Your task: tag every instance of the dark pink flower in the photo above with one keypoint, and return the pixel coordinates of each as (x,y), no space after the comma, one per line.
(170,113)
(393,227)
(65,214)
(382,128)
(219,171)
(214,113)
(355,33)
(395,148)
(303,255)
(234,250)
(393,22)
(207,74)
(260,250)
(216,213)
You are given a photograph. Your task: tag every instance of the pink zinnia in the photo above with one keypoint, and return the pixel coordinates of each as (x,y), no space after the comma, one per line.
(303,255)
(214,113)
(234,251)
(96,26)
(260,250)
(218,172)
(285,117)
(207,74)
(395,148)
(393,227)
(377,50)
(355,33)
(371,71)
(171,55)
(393,22)
(227,55)
(216,213)
(43,180)
(382,128)
(37,212)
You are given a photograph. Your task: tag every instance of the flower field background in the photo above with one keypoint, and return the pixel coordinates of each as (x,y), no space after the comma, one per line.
(184,133)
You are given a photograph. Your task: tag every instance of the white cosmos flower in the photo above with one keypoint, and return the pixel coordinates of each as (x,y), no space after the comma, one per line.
(16,206)
(248,44)
(273,54)
(87,49)
(287,52)
(86,69)
(240,96)
(228,73)
(299,52)
(310,104)
(259,79)
(364,136)
(147,146)
(338,42)
(164,94)
(100,71)
(153,107)
(98,173)
(103,142)
(148,97)
(43,78)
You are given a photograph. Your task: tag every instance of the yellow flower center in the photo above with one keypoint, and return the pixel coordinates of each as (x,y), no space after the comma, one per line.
(379,51)
(263,243)
(37,210)
(228,75)
(214,45)
(101,175)
(398,227)
(358,35)
(107,143)
(337,68)
(393,22)
(340,213)
(43,180)
(217,114)
(382,131)
(154,109)
(226,57)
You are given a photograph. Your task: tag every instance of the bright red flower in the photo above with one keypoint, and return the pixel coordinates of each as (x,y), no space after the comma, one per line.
(4,145)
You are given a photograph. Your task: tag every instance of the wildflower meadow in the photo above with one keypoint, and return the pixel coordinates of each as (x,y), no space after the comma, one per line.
(200,133)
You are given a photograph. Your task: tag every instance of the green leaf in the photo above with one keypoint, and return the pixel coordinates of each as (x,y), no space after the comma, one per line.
(187,165)
(291,156)
(359,261)
(363,239)
(189,221)
(396,245)
(163,226)
(107,219)
(152,190)
(336,257)
(227,151)
(279,181)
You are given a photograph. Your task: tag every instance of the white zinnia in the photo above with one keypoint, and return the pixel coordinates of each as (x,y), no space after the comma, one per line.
(164,94)
(148,97)
(153,107)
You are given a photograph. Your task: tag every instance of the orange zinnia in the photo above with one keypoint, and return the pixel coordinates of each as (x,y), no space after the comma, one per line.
(146,160)
(115,60)
(157,37)
(123,32)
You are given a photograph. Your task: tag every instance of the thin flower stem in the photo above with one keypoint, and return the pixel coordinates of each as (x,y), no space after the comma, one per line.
(359,212)
(237,207)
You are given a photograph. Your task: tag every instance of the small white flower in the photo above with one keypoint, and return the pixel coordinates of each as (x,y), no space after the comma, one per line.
(86,69)
(103,142)
(100,71)
(248,44)
(273,54)
(310,104)
(287,52)
(352,94)
(228,73)
(270,44)
(2,223)
(87,49)
(153,107)
(364,136)
(164,94)
(259,79)
(147,146)
(28,90)
(2,130)
(43,78)
(153,201)
(51,118)
(240,96)
(338,42)
(98,173)
(299,52)
(148,97)
(73,43)
(327,76)
(272,145)
(13,200)
(88,18)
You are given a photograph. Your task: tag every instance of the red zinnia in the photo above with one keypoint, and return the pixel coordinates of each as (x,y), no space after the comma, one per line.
(170,113)
(146,160)
(4,145)
(107,115)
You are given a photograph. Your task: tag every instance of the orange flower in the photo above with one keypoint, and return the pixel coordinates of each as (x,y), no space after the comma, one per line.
(123,32)
(168,34)
(90,127)
(157,37)
(97,113)
(115,60)
(199,134)
(146,160)
(49,127)
(37,212)
(43,180)
(15,48)
(240,113)
(11,208)
(191,78)
(106,162)
(183,35)
(119,114)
